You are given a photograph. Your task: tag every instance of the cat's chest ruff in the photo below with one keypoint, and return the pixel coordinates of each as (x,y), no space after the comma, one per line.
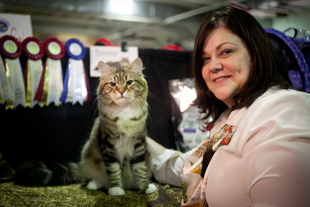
(128,120)
(124,114)
(124,147)
(128,113)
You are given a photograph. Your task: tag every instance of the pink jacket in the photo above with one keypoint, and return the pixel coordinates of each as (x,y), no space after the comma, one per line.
(266,163)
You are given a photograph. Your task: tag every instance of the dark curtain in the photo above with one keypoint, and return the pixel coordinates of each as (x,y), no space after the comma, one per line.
(58,133)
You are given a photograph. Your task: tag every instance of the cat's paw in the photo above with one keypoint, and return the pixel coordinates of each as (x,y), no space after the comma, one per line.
(150,189)
(92,185)
(116,191)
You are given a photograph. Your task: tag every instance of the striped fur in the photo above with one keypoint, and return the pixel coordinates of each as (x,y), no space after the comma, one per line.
(115,156)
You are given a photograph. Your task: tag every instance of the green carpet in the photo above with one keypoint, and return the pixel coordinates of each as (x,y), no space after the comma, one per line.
(78,195)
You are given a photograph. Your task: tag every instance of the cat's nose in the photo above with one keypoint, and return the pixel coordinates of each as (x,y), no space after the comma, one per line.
(121,92)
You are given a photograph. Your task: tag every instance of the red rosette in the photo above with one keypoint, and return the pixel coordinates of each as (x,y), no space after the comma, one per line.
(33,48)
(54,48)
(11,43)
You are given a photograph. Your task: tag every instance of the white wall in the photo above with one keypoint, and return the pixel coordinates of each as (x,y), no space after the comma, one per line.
(265,22)
(298,21)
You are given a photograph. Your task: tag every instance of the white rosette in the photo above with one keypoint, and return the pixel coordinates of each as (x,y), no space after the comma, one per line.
(11,49)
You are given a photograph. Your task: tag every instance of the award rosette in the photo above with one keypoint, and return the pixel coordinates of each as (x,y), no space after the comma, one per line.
(34,50)
(11,73)
(51,85)
(76,85)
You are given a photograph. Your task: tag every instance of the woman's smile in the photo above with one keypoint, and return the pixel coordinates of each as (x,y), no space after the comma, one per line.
(220,79)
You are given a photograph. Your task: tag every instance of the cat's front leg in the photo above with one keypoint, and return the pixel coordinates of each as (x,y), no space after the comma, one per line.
(116,191)
(115,182)
(151,188)
(140,170)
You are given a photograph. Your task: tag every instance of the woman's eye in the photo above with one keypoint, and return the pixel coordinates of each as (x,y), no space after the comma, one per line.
(225,52)
(112,84)
(205,59)
(129,82)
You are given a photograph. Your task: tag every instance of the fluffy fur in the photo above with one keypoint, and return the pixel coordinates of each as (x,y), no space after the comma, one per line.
(115,156)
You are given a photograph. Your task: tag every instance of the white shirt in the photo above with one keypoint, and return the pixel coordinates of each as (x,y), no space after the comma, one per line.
(266,163)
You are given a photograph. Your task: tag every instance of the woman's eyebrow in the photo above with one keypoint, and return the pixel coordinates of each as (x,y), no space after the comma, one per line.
(219,47)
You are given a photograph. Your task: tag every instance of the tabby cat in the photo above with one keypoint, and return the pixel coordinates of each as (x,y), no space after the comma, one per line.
(115,156)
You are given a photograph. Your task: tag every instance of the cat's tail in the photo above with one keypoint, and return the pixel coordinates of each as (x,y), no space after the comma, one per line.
(37,173)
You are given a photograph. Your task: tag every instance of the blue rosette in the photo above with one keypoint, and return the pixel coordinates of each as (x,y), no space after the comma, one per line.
(76,84)
(75,49)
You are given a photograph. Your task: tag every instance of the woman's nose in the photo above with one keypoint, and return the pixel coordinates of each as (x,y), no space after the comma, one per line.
(215,65)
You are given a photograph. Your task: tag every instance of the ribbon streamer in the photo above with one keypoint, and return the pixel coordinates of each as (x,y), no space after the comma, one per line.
(34,51)
(13,87)
(51,85)
(76,85)
(5,87)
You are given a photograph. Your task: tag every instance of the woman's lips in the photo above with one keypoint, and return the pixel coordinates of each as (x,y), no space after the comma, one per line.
(220,79)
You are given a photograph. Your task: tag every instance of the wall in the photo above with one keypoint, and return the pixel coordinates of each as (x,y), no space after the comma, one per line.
(297,20)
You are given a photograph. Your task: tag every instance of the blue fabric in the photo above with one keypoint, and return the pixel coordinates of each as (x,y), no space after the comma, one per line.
(298,80)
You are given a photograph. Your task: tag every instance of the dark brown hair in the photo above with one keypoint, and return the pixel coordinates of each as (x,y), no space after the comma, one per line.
(266,70)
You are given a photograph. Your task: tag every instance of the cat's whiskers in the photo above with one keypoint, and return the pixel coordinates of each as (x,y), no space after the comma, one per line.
(97,106)
(139,102)
(151,95)
(107,105)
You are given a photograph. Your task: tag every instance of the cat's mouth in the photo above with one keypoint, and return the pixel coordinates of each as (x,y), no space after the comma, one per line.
(121,100)
(121,97)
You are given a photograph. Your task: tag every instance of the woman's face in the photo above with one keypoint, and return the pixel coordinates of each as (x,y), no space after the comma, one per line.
(226,64)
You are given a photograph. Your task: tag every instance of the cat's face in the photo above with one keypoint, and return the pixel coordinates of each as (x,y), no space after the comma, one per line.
(122,86)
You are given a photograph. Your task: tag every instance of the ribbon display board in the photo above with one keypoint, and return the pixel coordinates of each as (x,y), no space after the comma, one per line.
(11,74)
(51,84)
(34,50)
(76,85)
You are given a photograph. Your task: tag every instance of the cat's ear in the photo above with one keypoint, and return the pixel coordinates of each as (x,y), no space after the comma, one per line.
(104,68)
(136,66)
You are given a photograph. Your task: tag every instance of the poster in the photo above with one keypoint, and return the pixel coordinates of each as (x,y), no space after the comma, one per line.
(19,26)
(111,55)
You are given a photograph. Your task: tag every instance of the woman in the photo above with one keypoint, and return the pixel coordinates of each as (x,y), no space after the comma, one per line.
(260,128)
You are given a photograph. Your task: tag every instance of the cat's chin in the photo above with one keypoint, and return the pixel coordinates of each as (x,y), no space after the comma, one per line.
(122,101)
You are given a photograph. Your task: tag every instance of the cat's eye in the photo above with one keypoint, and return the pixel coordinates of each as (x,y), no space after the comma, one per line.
(129,82)
(112,84)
